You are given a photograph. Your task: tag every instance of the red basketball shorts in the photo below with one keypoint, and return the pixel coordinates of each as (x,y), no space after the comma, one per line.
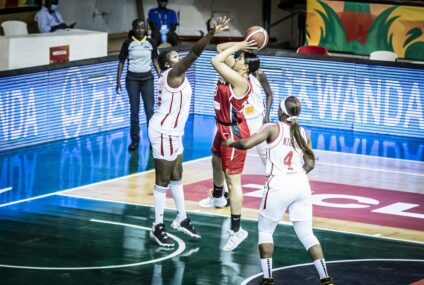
(232,159)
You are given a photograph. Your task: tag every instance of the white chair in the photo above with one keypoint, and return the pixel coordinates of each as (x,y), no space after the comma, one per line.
(14,28)
(383,55)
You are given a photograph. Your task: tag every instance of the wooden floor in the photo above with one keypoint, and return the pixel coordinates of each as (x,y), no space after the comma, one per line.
(90,223)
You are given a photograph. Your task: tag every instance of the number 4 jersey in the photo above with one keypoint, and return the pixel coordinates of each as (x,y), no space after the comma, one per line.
(281,157)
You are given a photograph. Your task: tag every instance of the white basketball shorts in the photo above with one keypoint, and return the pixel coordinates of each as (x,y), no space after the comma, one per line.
(166,147)
(291,192)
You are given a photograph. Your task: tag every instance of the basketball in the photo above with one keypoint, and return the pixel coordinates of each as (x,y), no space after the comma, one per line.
(257,34)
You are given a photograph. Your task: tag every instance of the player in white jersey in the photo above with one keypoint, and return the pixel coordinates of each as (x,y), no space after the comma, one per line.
(255,112)
(166,129)
(289,159)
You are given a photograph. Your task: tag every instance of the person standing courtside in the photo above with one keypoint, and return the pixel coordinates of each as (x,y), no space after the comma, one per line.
(231,93)
(49,19)
(289,159)
(166,129)
(140,52)
(163,23)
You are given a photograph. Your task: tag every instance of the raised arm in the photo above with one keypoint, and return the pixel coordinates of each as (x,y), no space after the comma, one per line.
(261,76)
(176,75)
(237,81)
(230,61)
(266,133)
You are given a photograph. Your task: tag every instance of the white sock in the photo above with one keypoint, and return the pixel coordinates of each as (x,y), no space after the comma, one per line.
(177,191)
(266,264)
(321,268)
(159,198)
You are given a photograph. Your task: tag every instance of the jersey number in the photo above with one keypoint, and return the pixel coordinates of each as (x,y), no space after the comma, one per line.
(288,160)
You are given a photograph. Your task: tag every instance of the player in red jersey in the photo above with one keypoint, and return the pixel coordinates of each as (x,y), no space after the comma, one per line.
(230,96)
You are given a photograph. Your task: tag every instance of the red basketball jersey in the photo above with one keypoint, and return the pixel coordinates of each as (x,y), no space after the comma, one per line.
(228,108)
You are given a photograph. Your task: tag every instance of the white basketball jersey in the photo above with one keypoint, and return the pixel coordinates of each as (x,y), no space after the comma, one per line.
(173,108)
(255,104)
(281,157)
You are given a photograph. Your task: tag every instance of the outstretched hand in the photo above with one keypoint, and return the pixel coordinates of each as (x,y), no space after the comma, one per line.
(220,25)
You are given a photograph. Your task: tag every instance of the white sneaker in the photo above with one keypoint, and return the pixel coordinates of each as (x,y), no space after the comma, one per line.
(185,226)
(235,239)
(212,202)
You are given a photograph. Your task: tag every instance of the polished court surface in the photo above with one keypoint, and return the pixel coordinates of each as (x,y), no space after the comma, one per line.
(79,212)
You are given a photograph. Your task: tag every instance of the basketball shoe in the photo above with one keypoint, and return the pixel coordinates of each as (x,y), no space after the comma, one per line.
(159,235)
(235,238)
(211,202)
(267,281)
(327,281)
(185,226)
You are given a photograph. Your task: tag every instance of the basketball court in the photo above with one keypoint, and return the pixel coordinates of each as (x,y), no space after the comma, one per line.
(83,211)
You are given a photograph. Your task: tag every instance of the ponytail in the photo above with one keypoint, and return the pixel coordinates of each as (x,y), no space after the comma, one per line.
(296,135)
(292,111)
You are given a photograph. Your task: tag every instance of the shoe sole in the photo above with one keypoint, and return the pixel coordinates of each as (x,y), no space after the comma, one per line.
(224,249)
(223,205)
(185,231)
(204,205)
(167,245)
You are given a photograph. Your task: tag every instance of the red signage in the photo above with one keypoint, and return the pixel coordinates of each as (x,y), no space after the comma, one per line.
(59,54)
(339,201)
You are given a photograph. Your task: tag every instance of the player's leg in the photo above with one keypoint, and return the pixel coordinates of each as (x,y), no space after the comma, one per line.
(301,216)
(272,208)
(266,228)
(164,166)
(237,233)
(305,234)
(163,170)
(182,222)
(215,197)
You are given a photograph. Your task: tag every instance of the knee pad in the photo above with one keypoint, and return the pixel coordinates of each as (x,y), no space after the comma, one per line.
(309,241)
(304,234)
(266,229)
(265,237)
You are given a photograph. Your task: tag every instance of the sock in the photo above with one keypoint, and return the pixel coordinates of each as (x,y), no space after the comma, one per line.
(217,191)
(235,223)
(159,198)
(266,264)
(176,188)
(321,268)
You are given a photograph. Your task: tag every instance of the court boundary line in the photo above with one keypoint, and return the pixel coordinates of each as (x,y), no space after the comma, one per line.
(181,249)
(329,262)
(249,219)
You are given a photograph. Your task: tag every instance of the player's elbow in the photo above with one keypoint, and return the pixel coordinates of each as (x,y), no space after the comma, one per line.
(214,61)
